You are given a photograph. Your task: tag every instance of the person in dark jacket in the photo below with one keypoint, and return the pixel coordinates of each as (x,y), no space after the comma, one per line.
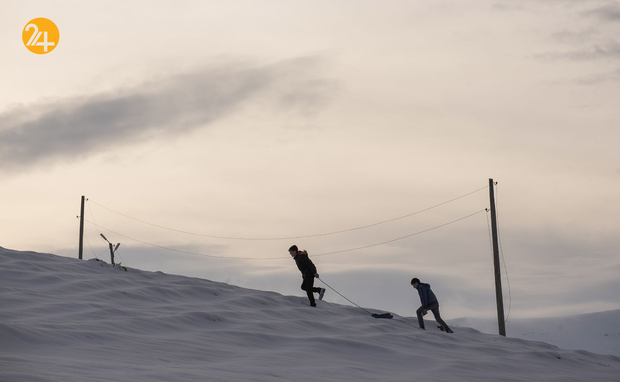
(429,302)
(308,273)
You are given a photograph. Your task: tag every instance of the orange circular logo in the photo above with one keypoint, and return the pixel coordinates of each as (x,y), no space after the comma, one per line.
(40,35)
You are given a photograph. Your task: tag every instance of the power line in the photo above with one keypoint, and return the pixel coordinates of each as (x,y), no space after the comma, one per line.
(489,229)
(93,216)
(290,237)
(86,237)
(401,238)
(176,250)
(285,257)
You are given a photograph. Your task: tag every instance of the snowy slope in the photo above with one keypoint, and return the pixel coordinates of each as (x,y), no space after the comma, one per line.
(63,319)
(595,332)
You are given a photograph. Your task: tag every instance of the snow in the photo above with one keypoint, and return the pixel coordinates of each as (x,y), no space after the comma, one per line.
(595,332)
(64,319)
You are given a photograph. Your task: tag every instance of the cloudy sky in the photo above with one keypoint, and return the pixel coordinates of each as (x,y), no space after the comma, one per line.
(211,136)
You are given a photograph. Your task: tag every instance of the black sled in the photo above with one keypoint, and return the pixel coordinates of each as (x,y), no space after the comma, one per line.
(383,315)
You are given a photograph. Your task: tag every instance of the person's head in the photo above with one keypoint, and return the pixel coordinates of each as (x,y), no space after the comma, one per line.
(415,282)
(293,250)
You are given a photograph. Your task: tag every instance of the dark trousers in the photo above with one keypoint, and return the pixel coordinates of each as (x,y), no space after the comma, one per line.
(308,286)
(435,309)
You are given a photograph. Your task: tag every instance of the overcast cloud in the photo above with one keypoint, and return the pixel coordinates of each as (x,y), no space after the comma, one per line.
(609,12)
(283,119)
(168,107)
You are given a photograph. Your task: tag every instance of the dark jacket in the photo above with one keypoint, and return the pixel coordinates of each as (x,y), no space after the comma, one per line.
(427,297)
(304,264)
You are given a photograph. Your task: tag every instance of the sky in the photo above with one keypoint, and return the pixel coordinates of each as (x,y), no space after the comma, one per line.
(193,126)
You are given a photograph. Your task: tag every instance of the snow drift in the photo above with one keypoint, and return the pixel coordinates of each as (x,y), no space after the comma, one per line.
(596,332)
(63,319)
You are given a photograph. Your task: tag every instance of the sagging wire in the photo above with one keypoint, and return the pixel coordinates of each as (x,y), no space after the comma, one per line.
(290,237)
(88,242)
(401,238)
(286,257)
(100,234)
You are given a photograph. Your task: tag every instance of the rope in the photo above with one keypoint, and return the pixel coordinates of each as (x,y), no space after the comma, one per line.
(286,257)
(290,237)
(330,287)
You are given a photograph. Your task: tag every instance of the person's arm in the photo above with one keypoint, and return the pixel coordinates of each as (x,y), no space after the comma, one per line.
(423,296)
(307,265)
(311,266)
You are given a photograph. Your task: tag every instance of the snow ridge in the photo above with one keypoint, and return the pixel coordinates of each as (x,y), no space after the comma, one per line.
(64,319)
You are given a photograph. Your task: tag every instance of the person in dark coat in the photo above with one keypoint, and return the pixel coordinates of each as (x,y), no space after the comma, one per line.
(429,302)
(308,273)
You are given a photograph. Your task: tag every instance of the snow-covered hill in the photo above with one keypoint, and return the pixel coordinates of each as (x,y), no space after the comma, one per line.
(63,319)
(595,332)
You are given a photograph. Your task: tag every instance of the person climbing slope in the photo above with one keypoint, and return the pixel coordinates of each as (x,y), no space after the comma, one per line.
(429,302)
(308,273)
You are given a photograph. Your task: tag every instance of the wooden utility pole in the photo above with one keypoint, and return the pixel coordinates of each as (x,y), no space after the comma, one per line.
(81,229)
(498,275)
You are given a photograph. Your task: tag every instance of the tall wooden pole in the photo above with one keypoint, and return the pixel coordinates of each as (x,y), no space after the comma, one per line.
(81,230)
(498,275)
